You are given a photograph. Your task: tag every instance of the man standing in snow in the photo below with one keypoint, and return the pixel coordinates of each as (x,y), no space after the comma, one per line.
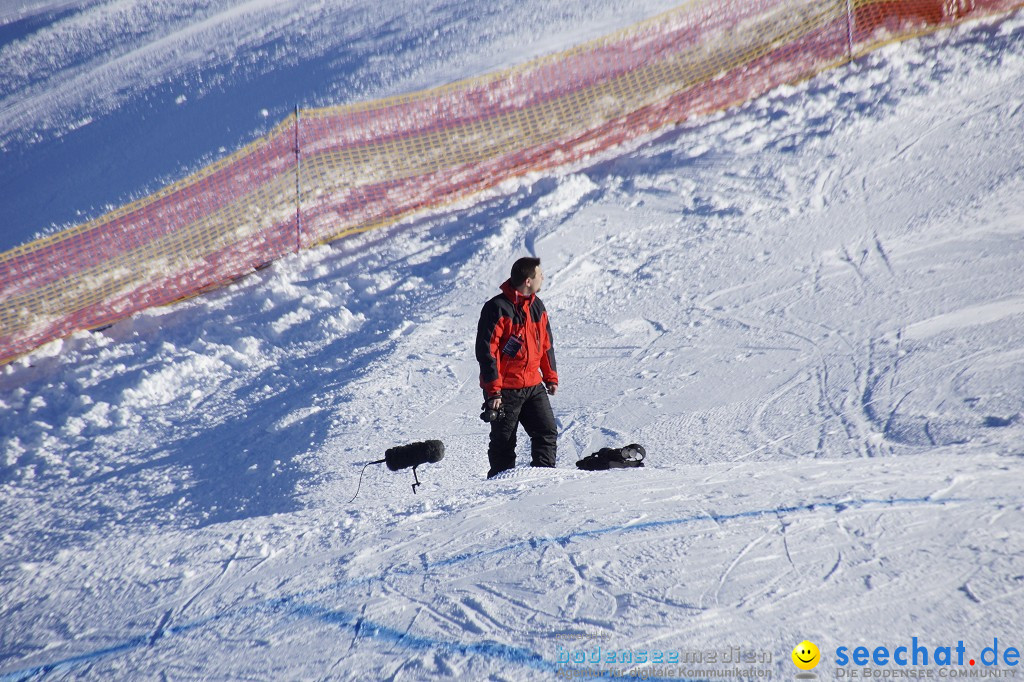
(517,368)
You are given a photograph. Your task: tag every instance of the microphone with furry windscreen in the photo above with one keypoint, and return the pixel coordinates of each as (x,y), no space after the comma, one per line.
(405,456)
(414,454)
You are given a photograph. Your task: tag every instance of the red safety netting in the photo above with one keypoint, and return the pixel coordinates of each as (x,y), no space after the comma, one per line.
(326,173)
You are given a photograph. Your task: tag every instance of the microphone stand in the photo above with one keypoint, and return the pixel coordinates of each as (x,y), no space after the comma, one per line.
(382,461)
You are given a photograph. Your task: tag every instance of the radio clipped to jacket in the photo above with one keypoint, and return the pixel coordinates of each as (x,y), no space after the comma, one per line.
(513,345)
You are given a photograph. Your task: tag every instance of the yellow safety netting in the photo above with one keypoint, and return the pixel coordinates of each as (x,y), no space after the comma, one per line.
(326,173)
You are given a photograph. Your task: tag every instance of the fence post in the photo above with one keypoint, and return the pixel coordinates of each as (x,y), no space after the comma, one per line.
(298,195)
(849,27)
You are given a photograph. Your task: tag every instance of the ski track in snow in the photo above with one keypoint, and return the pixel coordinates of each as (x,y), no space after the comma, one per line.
(298,606)
(319,605)
(807,308)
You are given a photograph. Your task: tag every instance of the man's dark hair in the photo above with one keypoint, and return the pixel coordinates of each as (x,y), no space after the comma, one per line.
(523,269)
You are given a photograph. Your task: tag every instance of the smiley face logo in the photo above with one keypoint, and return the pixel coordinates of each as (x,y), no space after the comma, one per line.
(806,655)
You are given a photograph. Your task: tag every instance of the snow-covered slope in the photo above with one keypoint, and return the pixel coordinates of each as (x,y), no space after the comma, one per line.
(141,92)
(810,310)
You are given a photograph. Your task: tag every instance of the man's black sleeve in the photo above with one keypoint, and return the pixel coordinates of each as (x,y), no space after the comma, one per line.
(489,377)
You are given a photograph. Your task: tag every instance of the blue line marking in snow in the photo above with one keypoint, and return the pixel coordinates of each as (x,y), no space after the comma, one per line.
(133,643)
(564,540)
(495,650)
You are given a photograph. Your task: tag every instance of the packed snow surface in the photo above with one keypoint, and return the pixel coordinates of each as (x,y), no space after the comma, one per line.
(809,309)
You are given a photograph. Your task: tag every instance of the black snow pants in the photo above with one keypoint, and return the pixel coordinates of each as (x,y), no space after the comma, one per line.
(531,408)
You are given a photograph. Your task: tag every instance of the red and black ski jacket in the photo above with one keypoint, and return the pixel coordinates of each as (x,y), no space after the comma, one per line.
(513,343)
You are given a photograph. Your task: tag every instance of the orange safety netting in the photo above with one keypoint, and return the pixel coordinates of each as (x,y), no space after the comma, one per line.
(326,173)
